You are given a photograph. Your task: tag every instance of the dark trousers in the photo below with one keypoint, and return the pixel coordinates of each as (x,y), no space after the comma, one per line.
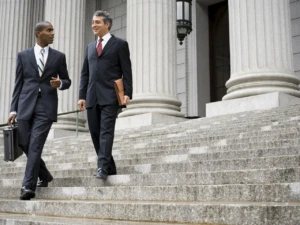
(102,120)
(32,137)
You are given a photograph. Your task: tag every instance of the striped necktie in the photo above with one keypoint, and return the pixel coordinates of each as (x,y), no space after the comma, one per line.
(41,64)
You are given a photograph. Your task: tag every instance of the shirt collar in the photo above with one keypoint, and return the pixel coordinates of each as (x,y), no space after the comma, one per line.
(105,38)
(38,48)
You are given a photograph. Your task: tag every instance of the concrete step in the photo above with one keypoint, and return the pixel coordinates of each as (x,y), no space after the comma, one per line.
(160,211)
(73,156)
(209,142)
(257,176)
(182,163)
(187,138)
(16,170)
(234,169)
(25,219)
(215,132)
(284,192)
(195,133)
(219,146)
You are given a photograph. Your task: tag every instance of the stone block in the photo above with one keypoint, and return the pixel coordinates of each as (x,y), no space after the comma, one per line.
(180,56)
(296,27)
(295,10)
(124,20)
(117,24)
(181,85)
(121,10)
(113,3)
(257,102)
(296,45)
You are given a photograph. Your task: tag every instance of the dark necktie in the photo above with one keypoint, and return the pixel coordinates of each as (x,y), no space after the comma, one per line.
(99,47)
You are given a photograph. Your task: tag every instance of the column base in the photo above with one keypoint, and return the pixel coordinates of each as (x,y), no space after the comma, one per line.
(257,102)
(145,120)
(68,122)
(156,104)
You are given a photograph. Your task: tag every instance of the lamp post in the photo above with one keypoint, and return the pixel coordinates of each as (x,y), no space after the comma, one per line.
(184,19)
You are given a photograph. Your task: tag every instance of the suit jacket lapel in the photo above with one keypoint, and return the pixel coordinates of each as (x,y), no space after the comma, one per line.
(110,42)
(95,48)
(51,57)
(32,59)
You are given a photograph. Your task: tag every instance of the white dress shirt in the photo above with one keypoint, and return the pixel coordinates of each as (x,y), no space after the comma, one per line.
(105,38)
(37,52)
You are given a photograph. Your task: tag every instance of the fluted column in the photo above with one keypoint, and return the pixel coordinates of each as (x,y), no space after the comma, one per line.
(68,20)
(17,21)
(260,49)
(151,34)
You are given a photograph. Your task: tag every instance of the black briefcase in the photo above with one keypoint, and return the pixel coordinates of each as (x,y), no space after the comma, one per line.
(12,151)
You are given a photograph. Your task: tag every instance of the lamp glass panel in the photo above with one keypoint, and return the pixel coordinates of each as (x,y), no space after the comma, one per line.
(181,30)
(179,10)
(187,11)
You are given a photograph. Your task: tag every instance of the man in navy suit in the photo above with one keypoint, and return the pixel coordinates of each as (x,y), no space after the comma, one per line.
(40,71)
(106,60)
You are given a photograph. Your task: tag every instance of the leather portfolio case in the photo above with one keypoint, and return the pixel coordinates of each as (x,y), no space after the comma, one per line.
(12,151)
(119,87)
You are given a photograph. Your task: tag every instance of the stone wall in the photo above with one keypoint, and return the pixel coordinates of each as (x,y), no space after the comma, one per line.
(118,11)
(181,75)
(295,17)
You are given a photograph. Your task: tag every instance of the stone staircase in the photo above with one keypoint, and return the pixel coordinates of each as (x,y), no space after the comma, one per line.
(238,169)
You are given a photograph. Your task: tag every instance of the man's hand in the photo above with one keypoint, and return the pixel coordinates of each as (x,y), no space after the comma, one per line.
(81,104)
(11,119)
(55,82)
(126,100)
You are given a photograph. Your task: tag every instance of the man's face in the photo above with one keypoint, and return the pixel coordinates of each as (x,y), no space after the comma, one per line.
(46,36)
(98,26)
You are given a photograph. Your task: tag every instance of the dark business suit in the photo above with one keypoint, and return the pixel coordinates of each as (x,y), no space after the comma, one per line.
(97,88)
(36,111)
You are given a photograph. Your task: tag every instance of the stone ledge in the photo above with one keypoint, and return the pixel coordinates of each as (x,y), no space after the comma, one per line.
(146,119)
(257,102)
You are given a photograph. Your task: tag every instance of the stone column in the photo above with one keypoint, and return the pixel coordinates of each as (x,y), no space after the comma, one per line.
(68,20)
(260,49)
(17,21)
(151,34)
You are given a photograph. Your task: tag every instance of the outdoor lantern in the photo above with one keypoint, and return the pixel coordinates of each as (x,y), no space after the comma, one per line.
(184,19)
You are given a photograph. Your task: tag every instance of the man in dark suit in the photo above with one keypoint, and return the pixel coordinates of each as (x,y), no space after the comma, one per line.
(106,60)
(35,102)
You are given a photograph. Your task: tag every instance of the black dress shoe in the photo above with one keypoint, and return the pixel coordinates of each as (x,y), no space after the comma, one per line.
(26,193)
(44,183)
(112,173)
(101,174)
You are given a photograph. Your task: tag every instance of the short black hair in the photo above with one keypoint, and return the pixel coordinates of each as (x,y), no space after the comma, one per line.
(40,26)
(106,17)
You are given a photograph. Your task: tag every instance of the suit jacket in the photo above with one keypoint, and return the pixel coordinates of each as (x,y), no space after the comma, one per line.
(99,72)
(28,82)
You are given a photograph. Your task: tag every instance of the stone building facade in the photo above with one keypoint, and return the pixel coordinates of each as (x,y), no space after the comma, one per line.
(237,49)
